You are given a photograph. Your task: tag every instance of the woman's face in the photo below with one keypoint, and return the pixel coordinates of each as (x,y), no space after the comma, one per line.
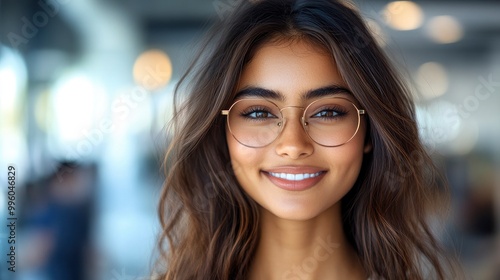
(285,72)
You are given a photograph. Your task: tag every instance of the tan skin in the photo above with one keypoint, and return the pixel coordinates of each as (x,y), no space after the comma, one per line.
(301,231)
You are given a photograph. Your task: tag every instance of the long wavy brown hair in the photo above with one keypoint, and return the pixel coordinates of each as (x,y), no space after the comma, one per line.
(210,225)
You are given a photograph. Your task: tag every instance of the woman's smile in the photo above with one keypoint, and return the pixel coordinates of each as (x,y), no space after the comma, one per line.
(294,178)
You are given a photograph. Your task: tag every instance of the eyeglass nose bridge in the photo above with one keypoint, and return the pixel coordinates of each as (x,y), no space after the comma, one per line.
(284,120)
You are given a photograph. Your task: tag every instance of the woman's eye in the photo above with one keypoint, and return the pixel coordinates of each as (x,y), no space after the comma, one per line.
(329,114)
(259,114)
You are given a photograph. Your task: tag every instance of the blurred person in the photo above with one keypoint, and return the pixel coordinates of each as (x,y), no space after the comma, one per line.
(57,222)
(296,155)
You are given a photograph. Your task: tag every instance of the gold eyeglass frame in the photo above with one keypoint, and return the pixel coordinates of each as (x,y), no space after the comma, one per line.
(302,120)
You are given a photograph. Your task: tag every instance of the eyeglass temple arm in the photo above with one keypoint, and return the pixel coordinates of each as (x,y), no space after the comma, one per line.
(361,112)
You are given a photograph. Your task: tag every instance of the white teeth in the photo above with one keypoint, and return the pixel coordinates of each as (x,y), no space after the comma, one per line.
(295,177)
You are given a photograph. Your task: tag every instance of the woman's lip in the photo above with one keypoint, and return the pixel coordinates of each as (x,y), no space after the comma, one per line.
(299,183)
(294,169)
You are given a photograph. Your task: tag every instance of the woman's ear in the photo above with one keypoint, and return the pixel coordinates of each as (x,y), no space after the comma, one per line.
(368,146)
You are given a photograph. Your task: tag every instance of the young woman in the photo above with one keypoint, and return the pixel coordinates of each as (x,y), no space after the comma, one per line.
(295,155)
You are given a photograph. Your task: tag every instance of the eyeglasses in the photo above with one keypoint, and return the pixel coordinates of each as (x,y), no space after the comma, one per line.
(330,122)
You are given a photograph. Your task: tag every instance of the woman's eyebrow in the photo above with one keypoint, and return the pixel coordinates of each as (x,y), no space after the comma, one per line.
(259,92)
(325,91)
(271,94)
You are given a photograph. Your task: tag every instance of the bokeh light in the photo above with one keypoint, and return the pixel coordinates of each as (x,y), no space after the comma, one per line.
(432,80)
(444,29)
(439,123)
(403,15)
(152,69)
(42,112)
(77,107)
(13,81)
(465,141)
(13,78)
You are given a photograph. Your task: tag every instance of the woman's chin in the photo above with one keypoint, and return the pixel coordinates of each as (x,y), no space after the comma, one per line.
(294,213)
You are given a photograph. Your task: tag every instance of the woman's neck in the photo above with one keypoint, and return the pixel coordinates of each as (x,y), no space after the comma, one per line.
(313,249)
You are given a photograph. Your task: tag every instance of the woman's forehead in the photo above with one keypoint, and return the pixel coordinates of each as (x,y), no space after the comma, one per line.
(291,68)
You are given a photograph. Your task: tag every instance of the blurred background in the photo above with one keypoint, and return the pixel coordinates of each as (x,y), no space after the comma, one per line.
(86,90)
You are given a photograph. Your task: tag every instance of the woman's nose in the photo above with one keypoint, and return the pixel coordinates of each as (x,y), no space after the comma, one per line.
(293,142)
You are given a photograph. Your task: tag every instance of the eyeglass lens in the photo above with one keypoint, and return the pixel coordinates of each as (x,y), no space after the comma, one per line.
(258,122)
